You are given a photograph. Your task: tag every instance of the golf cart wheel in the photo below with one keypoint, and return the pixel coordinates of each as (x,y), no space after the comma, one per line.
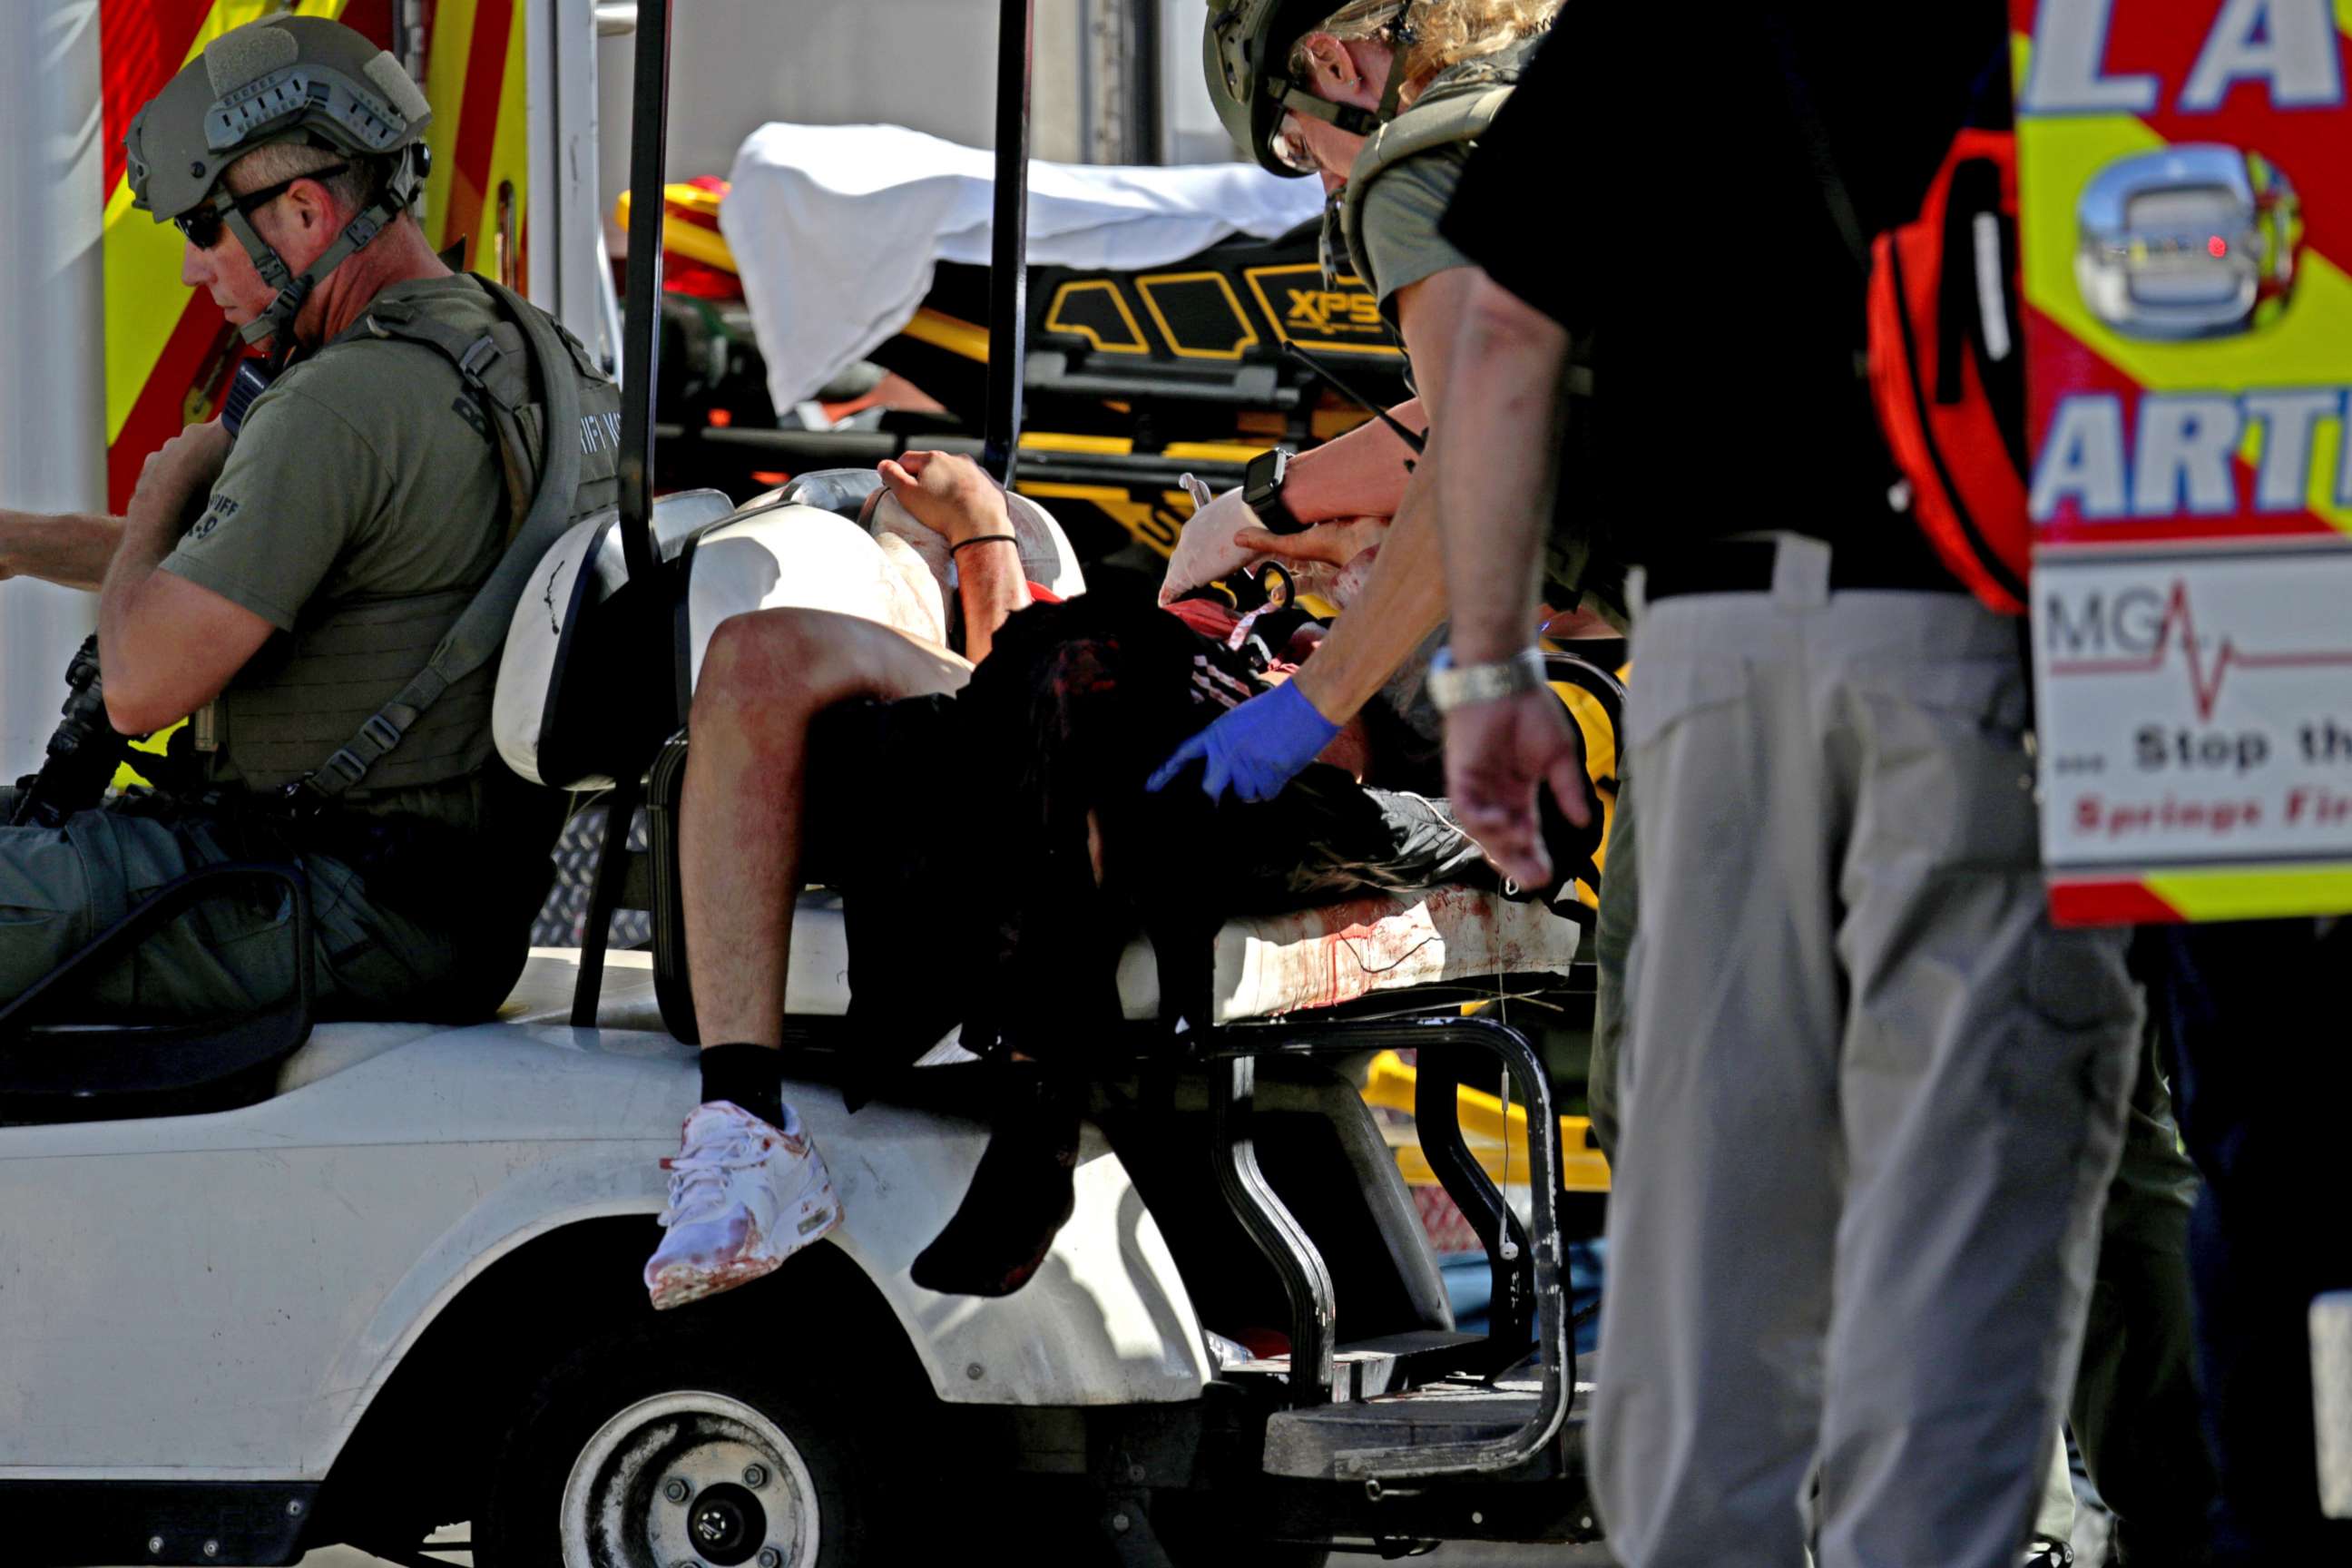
(638,1453)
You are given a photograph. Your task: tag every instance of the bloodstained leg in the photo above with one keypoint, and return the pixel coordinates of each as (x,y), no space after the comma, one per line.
(764,677)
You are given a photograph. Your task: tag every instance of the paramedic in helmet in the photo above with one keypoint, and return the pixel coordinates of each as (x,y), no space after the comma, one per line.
(286,586)
(1383,100)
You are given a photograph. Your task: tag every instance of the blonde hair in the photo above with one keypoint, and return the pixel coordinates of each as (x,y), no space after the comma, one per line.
(1446,32)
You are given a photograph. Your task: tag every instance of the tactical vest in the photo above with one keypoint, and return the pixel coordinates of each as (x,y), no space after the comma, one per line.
(335,676)
(1460,103)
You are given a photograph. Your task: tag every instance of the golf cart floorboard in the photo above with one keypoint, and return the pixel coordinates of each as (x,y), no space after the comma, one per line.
(1308,1443)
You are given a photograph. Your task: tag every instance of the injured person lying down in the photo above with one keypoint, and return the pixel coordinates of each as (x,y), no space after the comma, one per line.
(986,810)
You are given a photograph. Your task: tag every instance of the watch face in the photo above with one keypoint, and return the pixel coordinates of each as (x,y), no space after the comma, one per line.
(1262,478)
(1259,479)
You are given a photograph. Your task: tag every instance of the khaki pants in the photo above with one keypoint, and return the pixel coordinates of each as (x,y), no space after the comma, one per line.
(1870,1097)
(1612,938)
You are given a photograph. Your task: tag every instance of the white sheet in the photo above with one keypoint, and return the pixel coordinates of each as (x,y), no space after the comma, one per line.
(836,228)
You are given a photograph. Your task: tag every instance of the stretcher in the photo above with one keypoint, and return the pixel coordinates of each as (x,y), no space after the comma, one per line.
(1135,375)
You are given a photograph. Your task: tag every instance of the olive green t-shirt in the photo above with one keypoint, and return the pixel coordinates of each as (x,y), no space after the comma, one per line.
(1399,224)
(363,472)
(365,479)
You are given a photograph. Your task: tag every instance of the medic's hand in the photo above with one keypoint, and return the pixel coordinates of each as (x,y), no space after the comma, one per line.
(1333,543)
(949,494)
(182,469)
(1255,749)
(1206,550)
(1496,755)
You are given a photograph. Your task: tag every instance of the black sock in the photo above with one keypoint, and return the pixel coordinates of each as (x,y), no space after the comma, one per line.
(750,1075)
(1020,1197)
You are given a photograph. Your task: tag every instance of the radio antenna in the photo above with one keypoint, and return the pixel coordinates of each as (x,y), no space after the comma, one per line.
(1339,384)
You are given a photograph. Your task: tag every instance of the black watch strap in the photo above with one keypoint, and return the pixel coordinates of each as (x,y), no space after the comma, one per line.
(1276,514)
(1262,491)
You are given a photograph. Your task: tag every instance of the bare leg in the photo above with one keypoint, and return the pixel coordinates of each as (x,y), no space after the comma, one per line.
(764,677)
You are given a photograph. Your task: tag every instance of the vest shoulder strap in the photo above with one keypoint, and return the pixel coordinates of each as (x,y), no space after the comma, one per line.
(1449,113)
(494,363)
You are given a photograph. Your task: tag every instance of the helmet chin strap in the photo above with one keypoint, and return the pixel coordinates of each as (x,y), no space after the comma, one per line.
(1401,38)
(1347,116)
(275,323)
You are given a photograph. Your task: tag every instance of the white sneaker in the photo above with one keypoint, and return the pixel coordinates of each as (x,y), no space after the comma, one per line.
(743,1197)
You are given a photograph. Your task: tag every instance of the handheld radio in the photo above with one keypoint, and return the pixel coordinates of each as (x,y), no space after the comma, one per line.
(251,377)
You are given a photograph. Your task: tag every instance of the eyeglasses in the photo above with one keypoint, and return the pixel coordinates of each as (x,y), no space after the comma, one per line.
(1288,145)
(202,224)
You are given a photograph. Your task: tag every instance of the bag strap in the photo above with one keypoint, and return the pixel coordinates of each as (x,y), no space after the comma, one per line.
(471,353)
(1819,154)
(481,628)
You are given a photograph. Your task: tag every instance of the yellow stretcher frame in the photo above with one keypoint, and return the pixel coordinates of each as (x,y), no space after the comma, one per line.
(1496,1134)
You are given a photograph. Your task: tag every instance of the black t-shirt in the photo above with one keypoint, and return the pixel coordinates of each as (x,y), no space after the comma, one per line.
(1650,186)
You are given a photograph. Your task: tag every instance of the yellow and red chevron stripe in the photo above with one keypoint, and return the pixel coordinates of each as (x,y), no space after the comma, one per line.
(481,136)
(2058,155)
(164,347)
(168,352)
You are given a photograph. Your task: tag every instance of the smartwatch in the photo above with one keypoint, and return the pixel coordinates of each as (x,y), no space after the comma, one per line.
(1262,490)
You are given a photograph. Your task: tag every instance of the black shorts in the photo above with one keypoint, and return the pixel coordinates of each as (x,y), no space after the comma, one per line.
(879,796)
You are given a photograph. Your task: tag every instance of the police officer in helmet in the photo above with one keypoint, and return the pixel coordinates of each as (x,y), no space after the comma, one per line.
(285,587)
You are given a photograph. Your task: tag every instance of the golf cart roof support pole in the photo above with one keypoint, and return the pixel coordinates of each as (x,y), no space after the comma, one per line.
(1008,268)
(641,329)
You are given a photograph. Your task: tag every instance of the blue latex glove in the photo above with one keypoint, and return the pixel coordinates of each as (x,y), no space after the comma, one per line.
(1254,749)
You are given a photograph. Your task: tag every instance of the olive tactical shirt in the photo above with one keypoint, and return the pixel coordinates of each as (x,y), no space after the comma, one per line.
(1401,211)
(366,476)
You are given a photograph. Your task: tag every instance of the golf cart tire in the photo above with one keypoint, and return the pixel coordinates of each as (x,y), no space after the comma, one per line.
(720,1394)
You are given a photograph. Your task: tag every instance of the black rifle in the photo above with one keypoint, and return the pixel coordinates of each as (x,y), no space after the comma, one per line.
(81,756)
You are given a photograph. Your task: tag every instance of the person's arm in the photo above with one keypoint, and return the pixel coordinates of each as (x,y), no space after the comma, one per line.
(954,497)
(166,644)
(1260,746)
(1496,499)
(1497,495)
(1405,599)
(1358,474)
(70,549)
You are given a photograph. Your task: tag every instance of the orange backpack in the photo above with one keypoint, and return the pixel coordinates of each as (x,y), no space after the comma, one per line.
(1947,366)
(1947,348)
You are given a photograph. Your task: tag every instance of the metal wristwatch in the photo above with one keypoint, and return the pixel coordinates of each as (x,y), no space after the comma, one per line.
(1262,490)
(1452,685)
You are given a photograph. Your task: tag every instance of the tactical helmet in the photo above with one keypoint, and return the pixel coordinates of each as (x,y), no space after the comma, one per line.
(1245,52)
(300,79)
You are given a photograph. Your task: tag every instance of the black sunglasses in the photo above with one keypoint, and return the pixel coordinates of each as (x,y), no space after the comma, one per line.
(202,224)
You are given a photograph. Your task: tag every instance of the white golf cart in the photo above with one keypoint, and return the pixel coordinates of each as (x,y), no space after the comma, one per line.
(271,1285)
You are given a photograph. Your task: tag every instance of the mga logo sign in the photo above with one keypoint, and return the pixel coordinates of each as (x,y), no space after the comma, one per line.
(2196,709)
